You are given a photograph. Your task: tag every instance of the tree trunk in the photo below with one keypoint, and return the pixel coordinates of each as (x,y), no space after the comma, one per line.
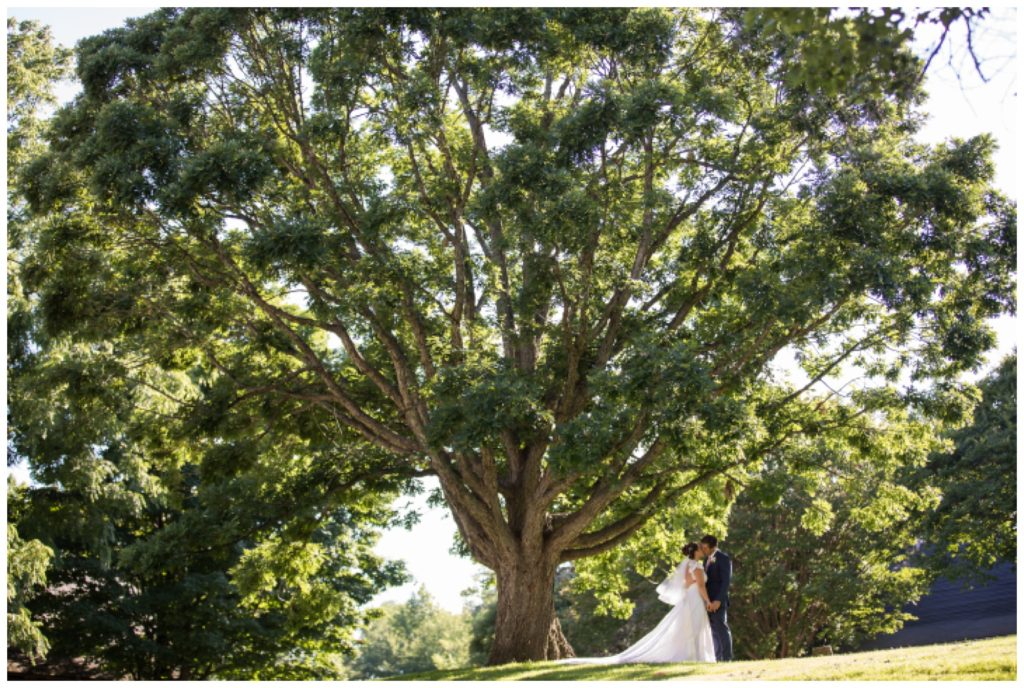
(526,628)
(558,644)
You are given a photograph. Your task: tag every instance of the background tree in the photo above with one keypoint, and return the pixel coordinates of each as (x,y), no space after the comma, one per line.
(27,562)
(34,65)
(237,551)
(481,604)
(189,533)
(572,328)
(822,540)
(975,525)
(411,637)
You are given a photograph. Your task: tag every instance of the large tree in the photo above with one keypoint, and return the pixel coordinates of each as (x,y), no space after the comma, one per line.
(545,255)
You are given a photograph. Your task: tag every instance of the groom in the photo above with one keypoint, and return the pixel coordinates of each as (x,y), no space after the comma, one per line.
(718,571)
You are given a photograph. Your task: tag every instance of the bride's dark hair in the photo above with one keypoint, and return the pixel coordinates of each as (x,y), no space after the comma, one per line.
(690,549)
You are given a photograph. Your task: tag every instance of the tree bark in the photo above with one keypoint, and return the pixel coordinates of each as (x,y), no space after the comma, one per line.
(558,644)
(526,628)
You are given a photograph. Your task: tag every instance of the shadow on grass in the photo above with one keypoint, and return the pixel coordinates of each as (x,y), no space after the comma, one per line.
(543,671)
(972,660)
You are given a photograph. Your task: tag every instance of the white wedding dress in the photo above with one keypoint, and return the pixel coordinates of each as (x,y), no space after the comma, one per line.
(683,635)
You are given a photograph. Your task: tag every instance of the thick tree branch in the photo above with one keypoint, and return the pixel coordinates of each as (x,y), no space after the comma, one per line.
(589,544)
(372,428)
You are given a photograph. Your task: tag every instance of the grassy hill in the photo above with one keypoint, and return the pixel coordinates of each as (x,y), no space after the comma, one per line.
(989,659)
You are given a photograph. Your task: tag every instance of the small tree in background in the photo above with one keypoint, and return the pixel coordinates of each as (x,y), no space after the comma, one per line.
(27,562)
(411,637)
(34,66)
(975,525)
(482,607)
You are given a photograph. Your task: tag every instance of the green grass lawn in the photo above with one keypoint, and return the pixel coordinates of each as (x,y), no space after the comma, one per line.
(992,659)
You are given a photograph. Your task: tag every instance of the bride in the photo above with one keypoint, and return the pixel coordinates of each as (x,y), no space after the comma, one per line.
(684,634)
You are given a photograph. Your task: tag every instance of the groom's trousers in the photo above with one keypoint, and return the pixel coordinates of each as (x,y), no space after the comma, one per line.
(721,636)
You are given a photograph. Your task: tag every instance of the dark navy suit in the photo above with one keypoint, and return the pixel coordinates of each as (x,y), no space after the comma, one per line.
(719,574)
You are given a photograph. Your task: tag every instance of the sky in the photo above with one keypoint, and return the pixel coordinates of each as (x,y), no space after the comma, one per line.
(960,103)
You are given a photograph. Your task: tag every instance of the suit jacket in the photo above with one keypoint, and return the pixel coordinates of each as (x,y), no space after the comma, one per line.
(719,574)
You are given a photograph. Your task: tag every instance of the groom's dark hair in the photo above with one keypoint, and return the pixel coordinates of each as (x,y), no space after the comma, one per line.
(710,540)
